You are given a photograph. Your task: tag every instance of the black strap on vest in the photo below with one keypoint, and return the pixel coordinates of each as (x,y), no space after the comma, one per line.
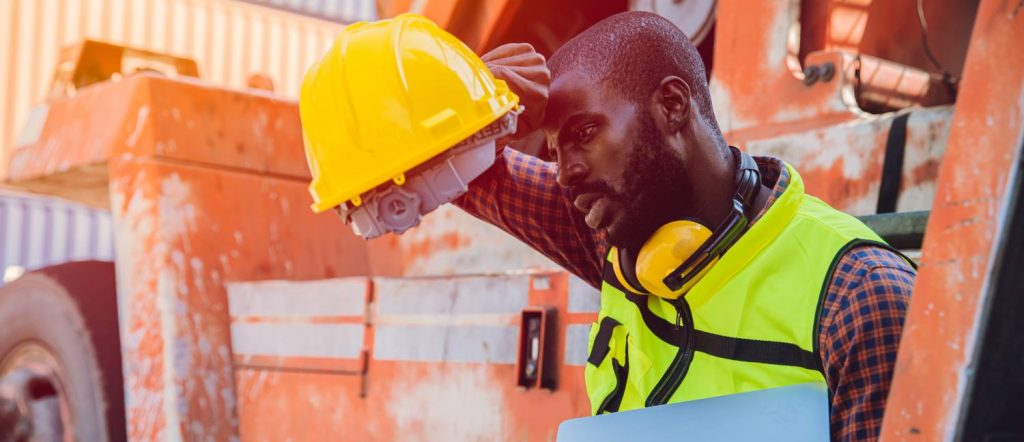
(892,166)
(600,348)
(737,349)
(613,401)
(749,350)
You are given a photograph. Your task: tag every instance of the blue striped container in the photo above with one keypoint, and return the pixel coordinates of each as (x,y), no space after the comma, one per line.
(39,231)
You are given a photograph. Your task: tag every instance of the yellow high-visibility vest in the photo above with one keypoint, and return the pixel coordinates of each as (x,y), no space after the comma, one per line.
(750,323)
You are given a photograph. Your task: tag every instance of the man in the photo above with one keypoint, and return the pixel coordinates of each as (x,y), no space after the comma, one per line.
(802,292)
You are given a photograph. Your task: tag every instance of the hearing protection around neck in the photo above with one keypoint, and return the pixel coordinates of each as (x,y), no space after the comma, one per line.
(681,252)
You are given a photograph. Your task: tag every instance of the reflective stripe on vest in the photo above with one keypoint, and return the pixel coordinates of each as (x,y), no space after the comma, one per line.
(754,315)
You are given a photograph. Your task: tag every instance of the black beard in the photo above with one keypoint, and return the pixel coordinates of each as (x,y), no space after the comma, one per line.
(656,189)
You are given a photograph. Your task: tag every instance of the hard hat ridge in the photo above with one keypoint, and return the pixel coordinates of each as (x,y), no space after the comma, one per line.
(388,98)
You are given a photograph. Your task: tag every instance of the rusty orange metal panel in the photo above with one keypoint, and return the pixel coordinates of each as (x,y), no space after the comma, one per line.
(763,105)
(184,228)
(756,82)
(934,366)
(153,116)
(230,40)
(177,244)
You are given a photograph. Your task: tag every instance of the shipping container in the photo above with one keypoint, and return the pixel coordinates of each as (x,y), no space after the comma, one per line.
(38,231)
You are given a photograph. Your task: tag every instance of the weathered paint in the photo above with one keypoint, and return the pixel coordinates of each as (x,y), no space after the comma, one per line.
(450,380)
(229,39)
(198,200)
(452,242)
(763,106)
(940,338)
(756,84)
(842,164)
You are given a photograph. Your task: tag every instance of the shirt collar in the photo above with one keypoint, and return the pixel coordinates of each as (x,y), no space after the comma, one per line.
(773,176)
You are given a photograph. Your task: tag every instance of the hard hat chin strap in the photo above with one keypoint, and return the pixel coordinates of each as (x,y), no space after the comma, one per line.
(397,208)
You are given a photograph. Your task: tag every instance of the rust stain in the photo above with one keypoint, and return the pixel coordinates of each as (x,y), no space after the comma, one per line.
(424,248)
(925,172)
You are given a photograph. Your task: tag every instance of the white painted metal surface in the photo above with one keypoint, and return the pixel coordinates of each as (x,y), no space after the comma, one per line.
(329,297)
(317,319)
(577,341)
(306,340)
(457,319)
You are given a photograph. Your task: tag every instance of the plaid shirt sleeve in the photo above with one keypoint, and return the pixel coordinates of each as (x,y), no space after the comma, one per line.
(519,194)
(861,322)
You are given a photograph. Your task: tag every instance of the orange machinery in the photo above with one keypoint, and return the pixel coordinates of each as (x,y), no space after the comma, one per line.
(244,315)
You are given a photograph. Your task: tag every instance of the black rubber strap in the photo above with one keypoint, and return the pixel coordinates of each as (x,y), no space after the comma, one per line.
(661,328)
(749,350)
(599,350)
(737,349)
(612,403)
(892,165)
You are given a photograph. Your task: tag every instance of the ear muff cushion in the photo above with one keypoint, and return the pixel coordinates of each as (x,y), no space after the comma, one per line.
(619,274)
(670,245)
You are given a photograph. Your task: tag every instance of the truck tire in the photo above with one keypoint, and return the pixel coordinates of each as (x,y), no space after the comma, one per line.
(59,326)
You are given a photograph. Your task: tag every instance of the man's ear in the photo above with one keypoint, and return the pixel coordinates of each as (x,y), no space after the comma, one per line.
(672,103)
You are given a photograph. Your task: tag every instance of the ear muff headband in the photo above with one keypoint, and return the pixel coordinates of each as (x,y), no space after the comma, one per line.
(679,253)
(748,181)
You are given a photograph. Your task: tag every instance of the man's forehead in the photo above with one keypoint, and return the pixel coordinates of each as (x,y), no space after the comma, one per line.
(571,92)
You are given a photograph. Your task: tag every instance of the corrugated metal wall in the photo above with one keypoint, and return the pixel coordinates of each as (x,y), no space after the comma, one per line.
(229,39)
(344,11)
(39,231)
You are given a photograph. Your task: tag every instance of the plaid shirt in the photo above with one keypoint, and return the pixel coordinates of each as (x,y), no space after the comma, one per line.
(863,311)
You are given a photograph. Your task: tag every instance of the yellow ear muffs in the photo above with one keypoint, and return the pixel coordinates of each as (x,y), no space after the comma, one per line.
(671,244)
(617,267)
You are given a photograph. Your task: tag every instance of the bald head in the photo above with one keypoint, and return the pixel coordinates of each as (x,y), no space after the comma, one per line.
(632,52)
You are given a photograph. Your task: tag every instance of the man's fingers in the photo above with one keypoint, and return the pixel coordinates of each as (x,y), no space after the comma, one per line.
(508,50)
(526,73)
(524,59)
(539,74)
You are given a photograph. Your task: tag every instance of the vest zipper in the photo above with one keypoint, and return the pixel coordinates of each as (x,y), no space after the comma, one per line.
(676,371)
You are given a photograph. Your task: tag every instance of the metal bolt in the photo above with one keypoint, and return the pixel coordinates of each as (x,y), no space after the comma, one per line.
(811,74)
(823,72)
(828,70)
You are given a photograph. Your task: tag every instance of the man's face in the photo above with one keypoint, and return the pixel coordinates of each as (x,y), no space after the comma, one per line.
(614,160)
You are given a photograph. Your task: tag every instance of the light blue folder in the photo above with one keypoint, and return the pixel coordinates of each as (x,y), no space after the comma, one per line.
(792,414)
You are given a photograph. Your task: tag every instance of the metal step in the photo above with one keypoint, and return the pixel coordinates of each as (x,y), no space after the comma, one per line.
(902,230)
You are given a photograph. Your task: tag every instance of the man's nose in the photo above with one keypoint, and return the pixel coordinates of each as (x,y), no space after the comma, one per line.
(571,171)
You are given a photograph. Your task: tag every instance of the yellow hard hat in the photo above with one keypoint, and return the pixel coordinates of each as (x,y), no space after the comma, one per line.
(387,97)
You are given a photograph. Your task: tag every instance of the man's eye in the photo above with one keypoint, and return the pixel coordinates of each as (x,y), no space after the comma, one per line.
(584,133)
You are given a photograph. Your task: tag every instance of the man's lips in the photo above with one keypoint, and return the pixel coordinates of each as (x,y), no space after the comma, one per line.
(593,205)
